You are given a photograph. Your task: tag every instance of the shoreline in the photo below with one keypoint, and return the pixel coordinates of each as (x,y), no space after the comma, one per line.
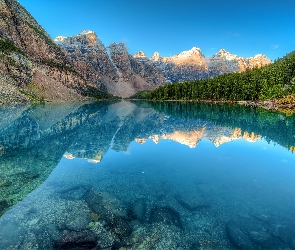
(271,105)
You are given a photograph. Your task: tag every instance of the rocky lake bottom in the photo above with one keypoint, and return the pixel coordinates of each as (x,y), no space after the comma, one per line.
(129,175)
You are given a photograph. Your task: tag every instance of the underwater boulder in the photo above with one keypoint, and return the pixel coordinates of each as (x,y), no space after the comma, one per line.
(120,227)
(104,204)
(3,206)
(165,215)
(138,210)
(191,204)
(237,237)
(263,239)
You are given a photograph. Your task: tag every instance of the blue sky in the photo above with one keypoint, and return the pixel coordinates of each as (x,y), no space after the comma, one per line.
(245,28)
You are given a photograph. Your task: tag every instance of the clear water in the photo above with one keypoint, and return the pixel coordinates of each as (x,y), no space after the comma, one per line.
(137,175)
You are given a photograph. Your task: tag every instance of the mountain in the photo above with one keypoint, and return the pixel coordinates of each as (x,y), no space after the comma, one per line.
(122,74)
(192,65)
(112,67)
(32,66)
(225,62)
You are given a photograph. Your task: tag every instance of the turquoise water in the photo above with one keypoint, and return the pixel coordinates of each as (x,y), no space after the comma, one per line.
(139,175)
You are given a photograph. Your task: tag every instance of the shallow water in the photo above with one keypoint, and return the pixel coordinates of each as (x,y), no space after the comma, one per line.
(138,175)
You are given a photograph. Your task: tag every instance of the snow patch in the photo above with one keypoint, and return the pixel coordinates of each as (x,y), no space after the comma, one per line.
(115,66)
(60,38)
(86,32)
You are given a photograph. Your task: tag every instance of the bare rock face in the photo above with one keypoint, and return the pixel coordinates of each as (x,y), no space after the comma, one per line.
(90,57)
(112,67)
(32,66)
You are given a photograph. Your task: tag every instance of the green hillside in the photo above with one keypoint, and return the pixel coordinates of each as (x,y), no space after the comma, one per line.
(269,82)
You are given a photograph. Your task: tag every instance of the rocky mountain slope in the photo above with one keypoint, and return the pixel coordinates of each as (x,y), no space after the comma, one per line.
(32,66)
(111,67)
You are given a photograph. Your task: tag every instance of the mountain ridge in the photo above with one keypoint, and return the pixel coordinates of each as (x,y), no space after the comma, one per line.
(126,74)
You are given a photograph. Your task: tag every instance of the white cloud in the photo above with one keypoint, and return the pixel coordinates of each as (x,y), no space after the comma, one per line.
(274,46)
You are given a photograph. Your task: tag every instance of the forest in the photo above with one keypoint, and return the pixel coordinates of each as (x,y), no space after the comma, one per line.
(273,81)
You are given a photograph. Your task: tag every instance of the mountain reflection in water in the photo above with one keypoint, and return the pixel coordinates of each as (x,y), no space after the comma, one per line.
(143,175)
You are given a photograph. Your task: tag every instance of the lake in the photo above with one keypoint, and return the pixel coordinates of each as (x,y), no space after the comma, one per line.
(146,175)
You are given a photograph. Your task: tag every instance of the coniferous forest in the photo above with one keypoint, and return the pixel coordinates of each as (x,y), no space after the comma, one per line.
(269,82)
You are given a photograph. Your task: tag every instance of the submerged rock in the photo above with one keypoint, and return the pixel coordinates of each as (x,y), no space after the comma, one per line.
(104,204)
(190,203)
(285,233)
(74,193)
(105,237)
(120,227)
(165,215)
(85,240)
(3,206)
(263,239)
(237,237)
(139,210)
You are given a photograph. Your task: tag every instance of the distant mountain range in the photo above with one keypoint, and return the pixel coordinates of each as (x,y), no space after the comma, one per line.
(35,68)
(123,74)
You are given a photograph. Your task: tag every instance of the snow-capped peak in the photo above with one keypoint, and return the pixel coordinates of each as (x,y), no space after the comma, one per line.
(156,56)
(191,52)
(224,54)
(259,55)
(140,54)
(86,32)
(60,38)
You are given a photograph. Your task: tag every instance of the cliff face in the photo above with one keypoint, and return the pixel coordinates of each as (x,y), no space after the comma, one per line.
(32,66)
(112,67)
